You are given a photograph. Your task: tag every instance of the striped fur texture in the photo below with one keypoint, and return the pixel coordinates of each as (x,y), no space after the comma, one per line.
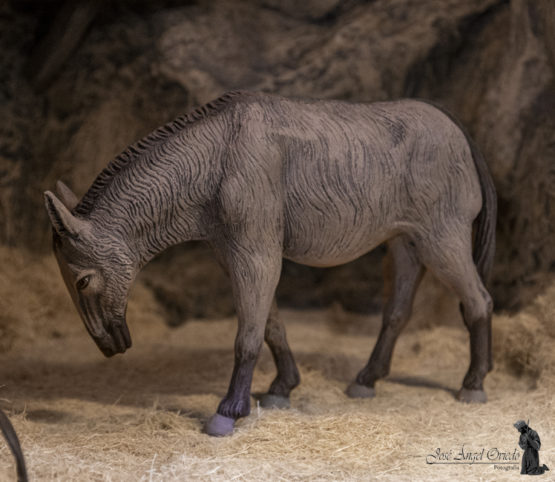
(260,178)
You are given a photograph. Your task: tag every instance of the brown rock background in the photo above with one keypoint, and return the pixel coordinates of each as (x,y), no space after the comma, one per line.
(80,80)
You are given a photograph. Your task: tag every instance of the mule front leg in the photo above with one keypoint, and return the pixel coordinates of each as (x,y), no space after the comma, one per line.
(254,279)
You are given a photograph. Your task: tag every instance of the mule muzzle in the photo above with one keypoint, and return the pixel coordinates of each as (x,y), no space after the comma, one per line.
(116,339)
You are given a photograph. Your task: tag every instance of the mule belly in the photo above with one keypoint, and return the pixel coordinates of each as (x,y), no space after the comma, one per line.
(326,248)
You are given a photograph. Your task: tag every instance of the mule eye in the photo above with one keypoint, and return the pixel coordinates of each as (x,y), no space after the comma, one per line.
(83,282)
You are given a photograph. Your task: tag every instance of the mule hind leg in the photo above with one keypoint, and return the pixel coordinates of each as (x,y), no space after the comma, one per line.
(449,257)
(287,376)
(407,272)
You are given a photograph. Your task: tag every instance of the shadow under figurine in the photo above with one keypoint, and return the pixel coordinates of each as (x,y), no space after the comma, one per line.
(260,178)
(529,441)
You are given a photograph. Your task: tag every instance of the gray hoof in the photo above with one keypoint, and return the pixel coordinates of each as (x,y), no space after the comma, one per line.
(355,390)
(219,426)
(274,401)
(472,396)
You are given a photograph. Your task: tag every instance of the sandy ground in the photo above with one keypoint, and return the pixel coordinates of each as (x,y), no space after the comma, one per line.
(140,416)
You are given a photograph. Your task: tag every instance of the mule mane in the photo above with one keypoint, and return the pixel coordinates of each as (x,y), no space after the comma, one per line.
(158,135)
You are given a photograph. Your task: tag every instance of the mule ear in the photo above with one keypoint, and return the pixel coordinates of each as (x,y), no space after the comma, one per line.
(65,223)
(66,195)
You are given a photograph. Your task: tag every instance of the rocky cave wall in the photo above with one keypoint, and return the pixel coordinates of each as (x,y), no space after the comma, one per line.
(80,80)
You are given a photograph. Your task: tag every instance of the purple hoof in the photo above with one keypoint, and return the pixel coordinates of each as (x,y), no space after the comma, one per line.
(274,401)
(355,390)
(472,396)
(219,426)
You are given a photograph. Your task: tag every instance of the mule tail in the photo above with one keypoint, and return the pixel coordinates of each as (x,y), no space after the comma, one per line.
(484,237)
(13,442)
(485,222)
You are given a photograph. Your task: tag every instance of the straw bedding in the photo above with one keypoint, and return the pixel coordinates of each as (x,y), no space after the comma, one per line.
(139,416)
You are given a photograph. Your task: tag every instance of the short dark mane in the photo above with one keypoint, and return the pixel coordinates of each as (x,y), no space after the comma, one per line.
(161,133)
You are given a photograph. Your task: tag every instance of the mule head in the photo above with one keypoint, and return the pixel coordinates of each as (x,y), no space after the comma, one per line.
(97,269)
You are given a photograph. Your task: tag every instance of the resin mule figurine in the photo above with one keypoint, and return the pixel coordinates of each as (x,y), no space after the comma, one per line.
(261,178)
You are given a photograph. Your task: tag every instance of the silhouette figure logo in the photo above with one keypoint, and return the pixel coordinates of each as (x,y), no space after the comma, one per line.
(530,442)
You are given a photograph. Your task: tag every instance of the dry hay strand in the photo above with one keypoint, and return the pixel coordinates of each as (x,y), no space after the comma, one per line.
(31,300)
(140,416)
(523,342)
